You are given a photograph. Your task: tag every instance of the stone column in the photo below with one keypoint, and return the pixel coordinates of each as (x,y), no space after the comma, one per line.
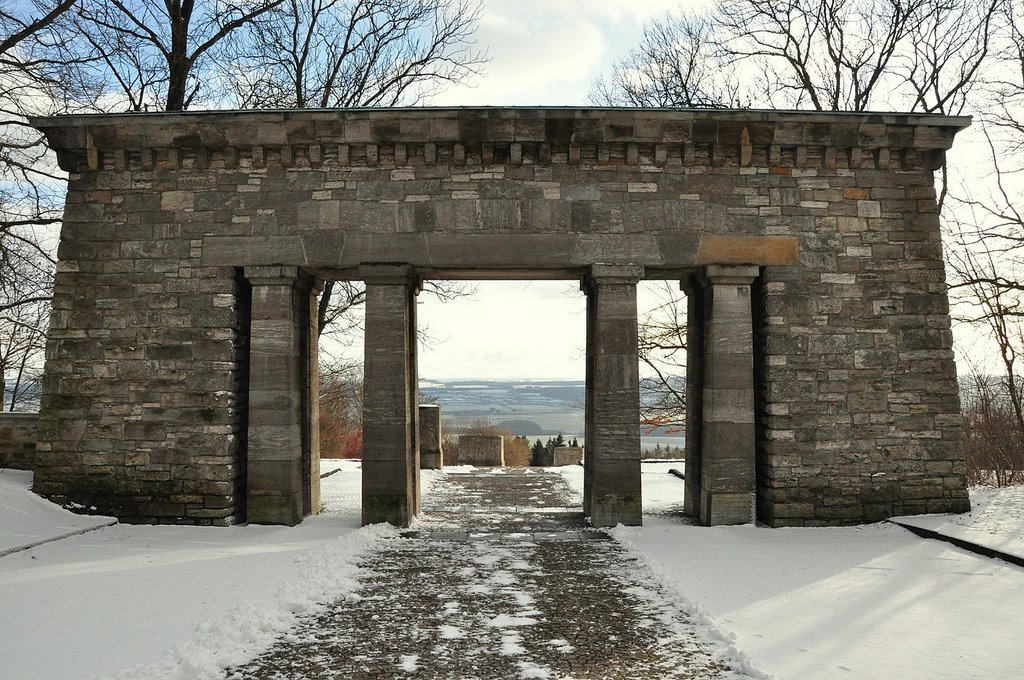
(694,392)
(431,454)
(279,475)
(727,440)
(391,482)
(311,495)
(612,493)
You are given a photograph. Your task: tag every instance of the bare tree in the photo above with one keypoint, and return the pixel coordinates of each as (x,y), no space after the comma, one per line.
(834,55)
(351,53)
(354,53)
(157,54)
(948,49)
(662,349)
(33,80)
(674,65)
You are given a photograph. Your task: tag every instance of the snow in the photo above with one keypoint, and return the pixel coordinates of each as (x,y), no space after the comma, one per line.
(863,602)
(410,663)
(28,520)
(147,602)
(996,520)
(528,669)
(509,621)
(129,596)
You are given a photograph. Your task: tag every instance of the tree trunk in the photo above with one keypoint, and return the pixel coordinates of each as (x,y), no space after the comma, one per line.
(178,64)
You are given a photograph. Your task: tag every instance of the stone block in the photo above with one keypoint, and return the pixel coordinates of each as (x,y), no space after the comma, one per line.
(431,451)
(486,450)
(18,434)
(567,455)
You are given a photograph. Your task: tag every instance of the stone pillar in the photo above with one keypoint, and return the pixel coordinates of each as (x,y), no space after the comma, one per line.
(727,441)
(694,392)
(391,482)
(311,496)
(611,470)
(431,453)
(281,481)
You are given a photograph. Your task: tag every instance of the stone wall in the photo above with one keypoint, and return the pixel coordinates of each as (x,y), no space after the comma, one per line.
(144,406)
(481,449)
(567,455)
(431,452)
(18,432)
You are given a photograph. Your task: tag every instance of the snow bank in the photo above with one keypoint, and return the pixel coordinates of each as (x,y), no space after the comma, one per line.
(996,520)
(29,520)
(329,573)
(867,602)
(125,595)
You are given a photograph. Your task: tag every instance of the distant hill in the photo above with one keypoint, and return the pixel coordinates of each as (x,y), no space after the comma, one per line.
(523,406)
(527,407)
(522,427)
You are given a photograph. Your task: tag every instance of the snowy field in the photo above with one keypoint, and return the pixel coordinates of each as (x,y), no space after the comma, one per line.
(180,602)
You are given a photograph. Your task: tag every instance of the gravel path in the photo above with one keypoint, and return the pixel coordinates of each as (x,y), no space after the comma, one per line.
(499,579)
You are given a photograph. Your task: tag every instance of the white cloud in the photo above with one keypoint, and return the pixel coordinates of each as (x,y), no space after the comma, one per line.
(547,52)
(509,329)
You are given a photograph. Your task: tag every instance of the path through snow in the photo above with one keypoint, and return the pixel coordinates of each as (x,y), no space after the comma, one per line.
(487,587)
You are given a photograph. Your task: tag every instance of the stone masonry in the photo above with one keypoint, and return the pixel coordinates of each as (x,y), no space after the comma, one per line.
(822,384)
(431,451)
(18,433)
(567,455)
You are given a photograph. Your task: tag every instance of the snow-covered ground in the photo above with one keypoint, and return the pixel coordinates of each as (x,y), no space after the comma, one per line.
(996,520)
(865,602)
(125,595)
(868,602)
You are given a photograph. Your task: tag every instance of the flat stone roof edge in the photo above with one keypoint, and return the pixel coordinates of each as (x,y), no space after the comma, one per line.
(498,112)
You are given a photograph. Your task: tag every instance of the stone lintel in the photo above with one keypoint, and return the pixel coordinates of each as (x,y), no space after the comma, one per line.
(761,250)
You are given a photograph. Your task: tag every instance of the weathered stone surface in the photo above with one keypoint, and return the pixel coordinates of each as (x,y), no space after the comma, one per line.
(391,469)
(431,451)
(283,463)
(481,449)
(18,432)
(725,451)
(612,488)
(147,409)
(567,455)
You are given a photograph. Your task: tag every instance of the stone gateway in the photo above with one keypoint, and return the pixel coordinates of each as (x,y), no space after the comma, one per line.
(180,383)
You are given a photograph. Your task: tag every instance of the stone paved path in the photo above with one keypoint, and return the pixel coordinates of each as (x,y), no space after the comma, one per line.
(499,579)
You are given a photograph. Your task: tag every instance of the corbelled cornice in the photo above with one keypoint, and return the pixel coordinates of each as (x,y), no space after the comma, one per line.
(484,136)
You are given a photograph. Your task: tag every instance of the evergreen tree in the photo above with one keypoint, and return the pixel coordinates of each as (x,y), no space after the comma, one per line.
(537,453)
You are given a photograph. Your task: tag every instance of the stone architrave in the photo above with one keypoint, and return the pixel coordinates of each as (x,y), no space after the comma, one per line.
(485,450)
(611,477)
(431,451)
(390,409)
(281,481)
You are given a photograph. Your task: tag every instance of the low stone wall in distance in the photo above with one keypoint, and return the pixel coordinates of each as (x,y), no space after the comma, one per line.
(18,440)
(481,449)
(568,455)
(431,452)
